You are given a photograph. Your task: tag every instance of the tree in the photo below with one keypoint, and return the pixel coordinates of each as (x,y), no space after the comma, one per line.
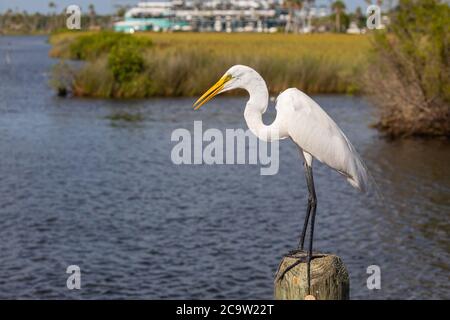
(52,7)
(292,5)
(120,11)
(409,77)
(92,15)
(338,7)
(359,17)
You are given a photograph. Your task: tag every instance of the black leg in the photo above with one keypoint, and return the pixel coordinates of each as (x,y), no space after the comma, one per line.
(313,200)
(301,242)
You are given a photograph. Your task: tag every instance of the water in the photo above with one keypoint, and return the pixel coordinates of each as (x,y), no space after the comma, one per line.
(79,188)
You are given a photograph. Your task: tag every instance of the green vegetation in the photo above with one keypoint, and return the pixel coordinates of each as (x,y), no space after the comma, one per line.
(90,46)
(115,64)
(125,63)
(62,78)
(409,77)
(185,64)
(338,8)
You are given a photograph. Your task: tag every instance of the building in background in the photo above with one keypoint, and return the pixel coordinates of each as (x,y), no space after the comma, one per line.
(217,16)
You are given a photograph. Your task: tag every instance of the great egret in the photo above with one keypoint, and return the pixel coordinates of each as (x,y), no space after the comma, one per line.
(306,123)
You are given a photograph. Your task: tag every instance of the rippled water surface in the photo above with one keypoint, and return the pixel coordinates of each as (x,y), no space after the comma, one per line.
(78,186)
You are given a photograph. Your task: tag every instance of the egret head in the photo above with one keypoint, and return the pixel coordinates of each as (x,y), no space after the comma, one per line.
(236,77)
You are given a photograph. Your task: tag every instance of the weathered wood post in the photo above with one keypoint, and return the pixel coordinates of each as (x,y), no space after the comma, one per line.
(329,278)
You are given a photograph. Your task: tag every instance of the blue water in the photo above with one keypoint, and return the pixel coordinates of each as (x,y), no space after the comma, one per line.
(78,188)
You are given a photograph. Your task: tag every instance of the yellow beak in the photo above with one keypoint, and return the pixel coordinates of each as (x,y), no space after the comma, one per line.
(212,92)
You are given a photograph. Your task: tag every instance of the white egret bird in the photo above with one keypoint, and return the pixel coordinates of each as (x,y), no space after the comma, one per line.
(306,123)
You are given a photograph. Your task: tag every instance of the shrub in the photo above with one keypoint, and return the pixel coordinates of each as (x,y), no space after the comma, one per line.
(409,75)
(125,62)
(91,46)
(61,79)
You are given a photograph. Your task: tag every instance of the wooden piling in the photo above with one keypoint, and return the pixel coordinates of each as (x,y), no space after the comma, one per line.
(329,278)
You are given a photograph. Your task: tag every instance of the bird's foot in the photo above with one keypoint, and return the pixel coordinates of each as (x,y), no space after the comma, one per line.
(301,256)
(299,259)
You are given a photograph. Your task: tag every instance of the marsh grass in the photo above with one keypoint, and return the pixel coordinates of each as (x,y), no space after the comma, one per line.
(186,64)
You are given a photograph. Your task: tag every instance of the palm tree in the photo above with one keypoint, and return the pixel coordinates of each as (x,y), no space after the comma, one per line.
(292,5)
(7,18)
(359,17)
(92,15)
(120,11)
(52,7)
(338,7)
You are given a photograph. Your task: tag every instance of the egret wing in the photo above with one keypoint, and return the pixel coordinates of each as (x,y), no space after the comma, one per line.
(313,130)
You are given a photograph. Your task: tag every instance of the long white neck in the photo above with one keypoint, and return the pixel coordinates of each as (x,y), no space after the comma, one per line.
(256,106)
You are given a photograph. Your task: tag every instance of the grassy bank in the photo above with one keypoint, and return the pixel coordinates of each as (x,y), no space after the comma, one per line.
(185,64)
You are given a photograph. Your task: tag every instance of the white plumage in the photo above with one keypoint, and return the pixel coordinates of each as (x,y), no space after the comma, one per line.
(317,134)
